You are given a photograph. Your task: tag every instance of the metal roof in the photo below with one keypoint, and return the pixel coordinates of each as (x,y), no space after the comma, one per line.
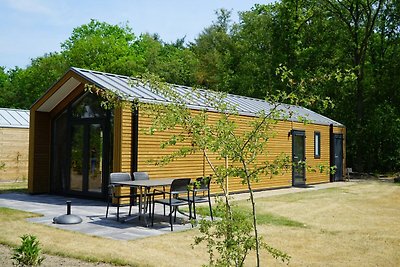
(245,105)
(14,118)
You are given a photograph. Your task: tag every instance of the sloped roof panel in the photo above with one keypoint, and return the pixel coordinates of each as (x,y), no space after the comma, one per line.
(245,105)
(14,118)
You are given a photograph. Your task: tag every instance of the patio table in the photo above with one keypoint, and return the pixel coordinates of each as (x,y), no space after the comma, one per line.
(144,186)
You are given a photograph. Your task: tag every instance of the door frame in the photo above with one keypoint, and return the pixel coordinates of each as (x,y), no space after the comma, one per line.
(86,154)
(303,134)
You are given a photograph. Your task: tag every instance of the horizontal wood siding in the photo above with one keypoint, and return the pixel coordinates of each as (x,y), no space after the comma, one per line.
(126,137)
(278,144)
(117,140)
(314,175)
(149,149)
(192,166)
(14,148)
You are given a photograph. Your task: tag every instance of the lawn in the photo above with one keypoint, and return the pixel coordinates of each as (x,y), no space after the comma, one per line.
(354,225)
(17,186)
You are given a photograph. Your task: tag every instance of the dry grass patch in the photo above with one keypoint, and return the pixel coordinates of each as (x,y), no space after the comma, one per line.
(355,225)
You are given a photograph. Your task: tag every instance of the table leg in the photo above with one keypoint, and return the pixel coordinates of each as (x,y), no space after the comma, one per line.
(143,204)
(140,207)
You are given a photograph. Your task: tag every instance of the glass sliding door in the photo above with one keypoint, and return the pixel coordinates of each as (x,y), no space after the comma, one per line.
(86,167)
(96,158)
(77,171)
(82,149)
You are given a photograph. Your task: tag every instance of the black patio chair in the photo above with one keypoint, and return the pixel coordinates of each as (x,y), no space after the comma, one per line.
(201,194)
(178,187)
(114,194)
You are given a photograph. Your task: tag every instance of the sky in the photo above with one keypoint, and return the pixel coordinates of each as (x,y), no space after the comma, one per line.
(31,28)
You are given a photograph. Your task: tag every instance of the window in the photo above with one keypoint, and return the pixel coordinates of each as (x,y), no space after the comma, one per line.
(88,106)
(317,145)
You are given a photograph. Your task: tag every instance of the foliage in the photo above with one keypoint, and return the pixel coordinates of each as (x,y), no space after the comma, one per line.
(25,86)
(231,236)
(29,253)
(98,46)
(215,51)
(103,47)
(347,51)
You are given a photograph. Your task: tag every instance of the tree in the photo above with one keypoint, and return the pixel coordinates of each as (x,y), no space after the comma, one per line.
(215,51)
(3,76)
(173,62)
(359,18)
(254,44)
(219,139)
(216,140)
(350,49)
(24,86)
(103,47)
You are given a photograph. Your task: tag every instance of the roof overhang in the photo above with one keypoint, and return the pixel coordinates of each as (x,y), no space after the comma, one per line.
(54,99)
(58,91)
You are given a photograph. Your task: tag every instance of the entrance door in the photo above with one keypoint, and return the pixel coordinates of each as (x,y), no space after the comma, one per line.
(338,154)
(298,158)
(86,170)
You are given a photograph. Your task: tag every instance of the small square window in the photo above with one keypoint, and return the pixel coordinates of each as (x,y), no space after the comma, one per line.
(317,145)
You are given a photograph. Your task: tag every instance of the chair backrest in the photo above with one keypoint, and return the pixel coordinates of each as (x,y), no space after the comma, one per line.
(119,177)
(140,176)
(202,183)
(180,185)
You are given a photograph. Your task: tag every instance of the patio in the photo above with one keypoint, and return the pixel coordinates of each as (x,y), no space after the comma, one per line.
(93,217)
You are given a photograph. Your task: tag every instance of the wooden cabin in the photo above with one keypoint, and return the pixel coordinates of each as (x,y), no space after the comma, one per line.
(14,144)
(75,143)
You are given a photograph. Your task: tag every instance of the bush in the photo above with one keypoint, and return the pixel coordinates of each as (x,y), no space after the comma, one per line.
(28,254)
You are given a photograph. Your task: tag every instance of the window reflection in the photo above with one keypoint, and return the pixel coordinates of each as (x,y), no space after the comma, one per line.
(88,106)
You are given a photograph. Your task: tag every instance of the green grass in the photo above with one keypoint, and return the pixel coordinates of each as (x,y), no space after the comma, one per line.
(262,218)
(13,187)
(273,219)
(12,214)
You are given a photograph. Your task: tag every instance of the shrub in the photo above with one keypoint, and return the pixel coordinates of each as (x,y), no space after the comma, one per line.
(28,254)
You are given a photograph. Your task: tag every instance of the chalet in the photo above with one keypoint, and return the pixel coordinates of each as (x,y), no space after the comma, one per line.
(75,143)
